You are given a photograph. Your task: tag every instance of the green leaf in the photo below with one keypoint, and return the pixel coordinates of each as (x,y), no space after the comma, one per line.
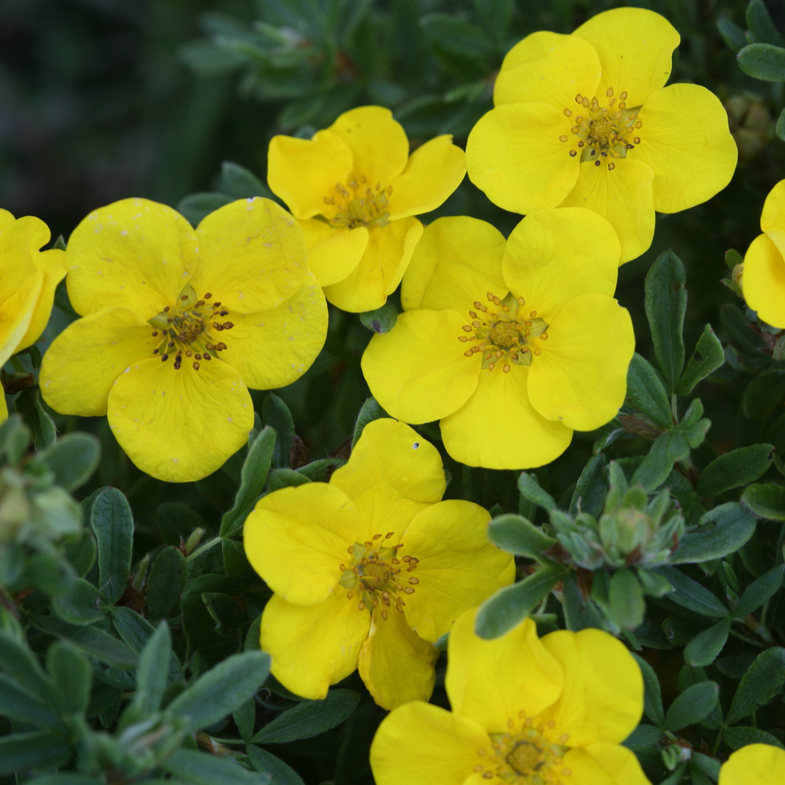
(643,736)
(732,34)
(245,719)
(779,129)
(495,17)
(201,768)
(151,678)
(38,750)
(198,206)
(760,684)
(709,766)
(14,438)
(285,478)
(80,604)
(512,604)
(223,689)
(382,320)
(165,582)
(740,736)
(73,458)
(707,357)
(529,488)
(666,303)
(241,183)
(765,501)
(281,773)
(591,488)
(517,535)
(646,392)
(721,531)
(579,613)
(456,36)
(21,664)
(691,595)
(73,677)
(652,696)
(321,469)
(735,469)
(64,778)
(252,479)
(136,631)
(626,601)
(28,404)
(692,705)
(276,414)
(369,412)
(113,525)
(705,647)
(763,393)
(309,718)
(760,25)
(97,643)
(763,61)
(759,591)
(19,704)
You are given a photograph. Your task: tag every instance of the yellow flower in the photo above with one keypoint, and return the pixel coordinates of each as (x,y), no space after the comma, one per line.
(524,710)
(764,264)
(755,764)
(178,323)
(355,190)
(28,279)
(511,347)
(370,570)
(585,120)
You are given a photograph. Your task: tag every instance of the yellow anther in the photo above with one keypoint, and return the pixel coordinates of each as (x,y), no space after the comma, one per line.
(610,167)
(609,92)
(466,328)
(622,105)
(562,138)
(623,96)
(568,112)
(639,124)
(533,313)
(578,98)
(585,102)
(506,368)
(575,129)
(637,140)
(491,366)
(538,352)
(521,301)
(463,338)
(544,336)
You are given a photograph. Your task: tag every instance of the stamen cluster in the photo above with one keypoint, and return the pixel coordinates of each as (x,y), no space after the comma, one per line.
(360,206)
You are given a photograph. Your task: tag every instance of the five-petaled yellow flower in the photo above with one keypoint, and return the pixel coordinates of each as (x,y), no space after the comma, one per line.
(28,279)
(763,281)
(585,120)
(511,347)
(355,190)
(755,764)
(525,710)
(371,569)
(178,323)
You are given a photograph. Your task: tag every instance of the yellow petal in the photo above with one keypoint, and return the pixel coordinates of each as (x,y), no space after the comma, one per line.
(498,428)
(395,664)
(420,744)
(514,154)
(332,252)
(605,764)
(686,141)
(624,197)
(602,697)
(133,253)
(754,764)
(180,425)
(297,539)
(304,172)
(292,335)
(52,265)
(580,379)
(552,256)
(492,681)
(635,47)
(533,47)
(418,371)
(392,474)
(772,219)
(16,313)
(251,255)
(381,268)
(564,66)
(19,255)
(764,280)
(98,347)
(316,646)
(458,567)
(432,173)
(457,261)
(378,143)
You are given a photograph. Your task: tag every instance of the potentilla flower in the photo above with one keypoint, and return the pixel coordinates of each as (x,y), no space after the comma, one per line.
(512,347)
(178,323)
(763,281)
(755,764)
(28,279)
(525,710)
(585,120)
(355,190)
(371,569)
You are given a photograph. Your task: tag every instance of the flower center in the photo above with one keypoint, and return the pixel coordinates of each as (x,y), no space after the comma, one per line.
(187,329)
(360,205)
(603,132)
(503,332)
(378,576)
(525,755)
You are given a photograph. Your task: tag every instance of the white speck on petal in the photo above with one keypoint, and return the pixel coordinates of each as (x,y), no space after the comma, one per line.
(124,232)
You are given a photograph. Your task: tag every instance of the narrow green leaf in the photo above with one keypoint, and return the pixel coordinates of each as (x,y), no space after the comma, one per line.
(18,704)
(652,696)
(765,501)
(382,320)
(113,525)
(197,206)
(20,663)
(97,643)
(760,684)
(646,392)
(721,531)
(201,768)
(64,778)
(28,404)
(763,61)
(369,412)
(643,736)
(657,465)
(137,632)
(626,601)
(281,773)
(763,393)
(691,595)
(692,705)
(285,478)
(276,414)
(666,303)
(705,647)
(709,766)
(237,181)
(38,750)
(734,469)
(529,488)
(732,34)
(760,25)
(151,677)
(73,459)
(759,591)
(72,675)
(309,718)
(80,604)
(740,736)
(512,604)
(165,582)
(591,488)
(705,359)
(456,36)
(779,129)
(517,535)
(579,613)
(245,719)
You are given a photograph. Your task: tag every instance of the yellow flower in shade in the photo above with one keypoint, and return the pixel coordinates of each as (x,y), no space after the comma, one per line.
(371,569)
(763,281)
(511,346)
(355,190)
(585,120)
(525,711)
(755,764)
(178,323)
(28,279)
